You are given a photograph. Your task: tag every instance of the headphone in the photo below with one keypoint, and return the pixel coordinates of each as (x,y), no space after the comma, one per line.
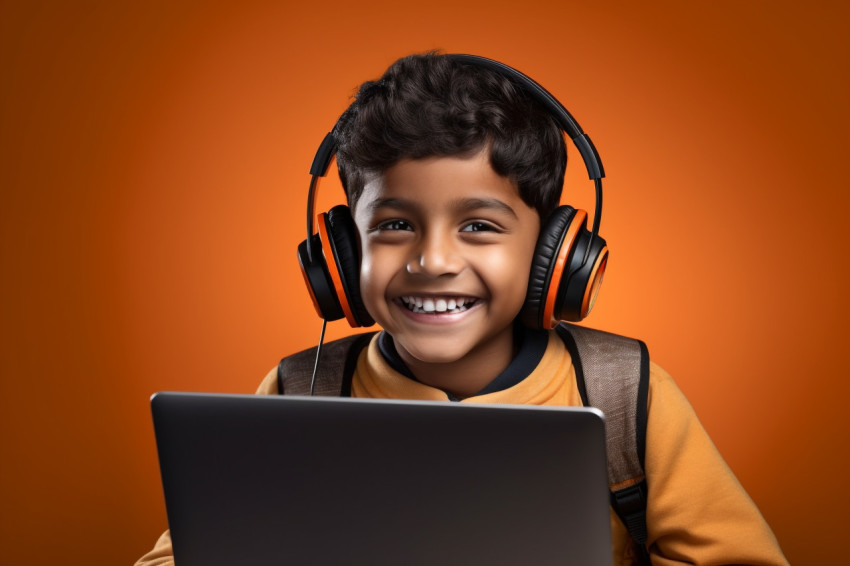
(566,270)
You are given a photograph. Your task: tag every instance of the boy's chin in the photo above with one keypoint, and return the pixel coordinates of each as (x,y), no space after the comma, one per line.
(432,351)
(437,359)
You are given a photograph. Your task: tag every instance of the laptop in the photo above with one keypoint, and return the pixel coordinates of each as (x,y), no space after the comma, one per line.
(268,480)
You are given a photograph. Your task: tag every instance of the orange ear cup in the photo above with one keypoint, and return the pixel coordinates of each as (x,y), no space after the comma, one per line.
(333,268)
(565,277)
(564,253)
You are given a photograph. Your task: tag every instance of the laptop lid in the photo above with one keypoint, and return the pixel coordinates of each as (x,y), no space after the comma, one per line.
(256,480)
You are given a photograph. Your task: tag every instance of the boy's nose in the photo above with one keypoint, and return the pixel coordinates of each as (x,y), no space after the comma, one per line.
(435,256)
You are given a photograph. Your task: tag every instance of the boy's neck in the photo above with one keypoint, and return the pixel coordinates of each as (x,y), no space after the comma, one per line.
(467,376)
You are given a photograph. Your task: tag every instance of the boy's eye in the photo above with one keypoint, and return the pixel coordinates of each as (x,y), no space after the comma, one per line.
(478,227)
(394,225)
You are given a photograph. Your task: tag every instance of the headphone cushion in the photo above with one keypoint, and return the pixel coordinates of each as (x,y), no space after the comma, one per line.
(545,252)
(343,235)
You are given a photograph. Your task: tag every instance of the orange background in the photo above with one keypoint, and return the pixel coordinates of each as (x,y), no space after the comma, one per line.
(153,165)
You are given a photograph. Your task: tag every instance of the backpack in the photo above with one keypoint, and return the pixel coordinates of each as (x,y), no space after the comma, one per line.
(612,373)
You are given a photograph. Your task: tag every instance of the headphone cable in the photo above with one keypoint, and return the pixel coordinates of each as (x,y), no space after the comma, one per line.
(318,355)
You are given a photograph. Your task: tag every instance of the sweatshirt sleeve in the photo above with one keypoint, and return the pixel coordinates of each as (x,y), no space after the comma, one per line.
(162,554)
(698,512)
(269,383)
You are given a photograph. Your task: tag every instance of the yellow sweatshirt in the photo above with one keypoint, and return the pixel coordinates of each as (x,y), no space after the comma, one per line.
(697,512)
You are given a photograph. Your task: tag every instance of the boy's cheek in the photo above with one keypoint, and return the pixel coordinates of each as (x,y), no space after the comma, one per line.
(371,289)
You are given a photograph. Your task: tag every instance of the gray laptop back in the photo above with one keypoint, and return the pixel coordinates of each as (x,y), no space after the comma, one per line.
(262,480)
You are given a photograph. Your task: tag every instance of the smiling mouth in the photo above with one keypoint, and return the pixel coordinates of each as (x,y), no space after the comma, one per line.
(437,305)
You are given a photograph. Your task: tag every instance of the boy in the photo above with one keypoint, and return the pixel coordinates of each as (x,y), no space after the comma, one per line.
(451,170)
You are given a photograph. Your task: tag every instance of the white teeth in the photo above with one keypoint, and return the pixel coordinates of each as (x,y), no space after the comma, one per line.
(433,305)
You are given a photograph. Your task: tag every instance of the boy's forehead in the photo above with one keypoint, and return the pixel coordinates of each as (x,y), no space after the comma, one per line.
(439,180)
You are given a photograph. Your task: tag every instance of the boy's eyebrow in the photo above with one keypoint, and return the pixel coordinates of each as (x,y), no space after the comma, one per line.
(396,203)
(470,204)
(461,205)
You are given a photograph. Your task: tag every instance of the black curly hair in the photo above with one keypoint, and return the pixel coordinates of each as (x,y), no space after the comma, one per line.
(428,105)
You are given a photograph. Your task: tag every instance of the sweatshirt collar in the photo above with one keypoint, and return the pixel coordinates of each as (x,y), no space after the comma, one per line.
(531,347)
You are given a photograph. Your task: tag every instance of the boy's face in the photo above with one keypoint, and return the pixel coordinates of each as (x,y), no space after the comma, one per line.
(446,249)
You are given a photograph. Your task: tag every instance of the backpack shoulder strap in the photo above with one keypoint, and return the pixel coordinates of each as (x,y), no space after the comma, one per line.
(613,375)
(336,367)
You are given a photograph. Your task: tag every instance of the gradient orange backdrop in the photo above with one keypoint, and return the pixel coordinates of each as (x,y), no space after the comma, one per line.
(153,167)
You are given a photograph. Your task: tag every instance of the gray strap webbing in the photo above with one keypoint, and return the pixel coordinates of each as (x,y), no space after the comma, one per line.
(611,367)
(613,375)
